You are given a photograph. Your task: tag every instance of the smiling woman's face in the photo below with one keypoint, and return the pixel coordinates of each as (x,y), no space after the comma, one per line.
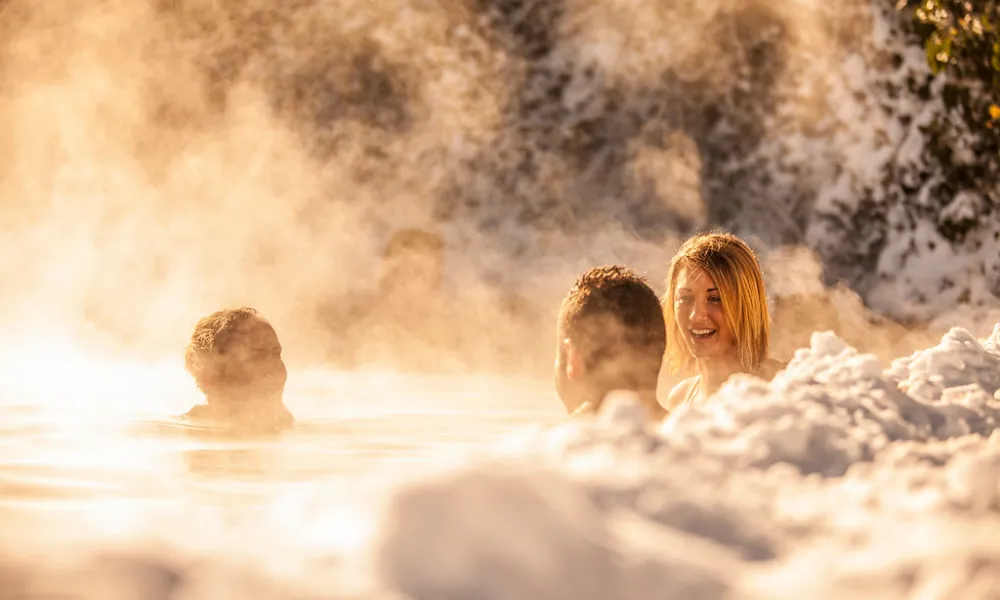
(701,316)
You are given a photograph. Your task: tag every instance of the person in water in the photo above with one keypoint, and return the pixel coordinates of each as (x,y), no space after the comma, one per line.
(235,359)
(610,336)
(717,317)
(413,264)
(403,322)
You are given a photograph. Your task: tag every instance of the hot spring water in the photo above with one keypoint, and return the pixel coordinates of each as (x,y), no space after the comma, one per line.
(89,434)
(97,447)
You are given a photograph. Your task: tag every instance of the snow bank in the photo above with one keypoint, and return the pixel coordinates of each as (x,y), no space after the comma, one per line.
(802,487)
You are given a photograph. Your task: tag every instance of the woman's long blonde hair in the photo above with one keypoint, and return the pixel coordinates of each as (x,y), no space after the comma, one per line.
(736,272)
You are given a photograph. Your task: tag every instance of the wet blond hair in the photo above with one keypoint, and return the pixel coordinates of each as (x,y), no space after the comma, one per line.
(737,274)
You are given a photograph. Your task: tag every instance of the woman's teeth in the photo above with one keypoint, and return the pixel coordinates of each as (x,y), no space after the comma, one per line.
(701,334)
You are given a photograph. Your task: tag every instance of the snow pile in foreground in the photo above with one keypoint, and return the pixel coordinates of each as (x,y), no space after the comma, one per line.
(838,479)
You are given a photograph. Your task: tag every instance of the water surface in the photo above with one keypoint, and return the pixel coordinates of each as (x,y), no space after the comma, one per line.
(97,446)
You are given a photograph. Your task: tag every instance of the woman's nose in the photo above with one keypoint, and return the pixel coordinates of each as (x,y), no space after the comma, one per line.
(699,310)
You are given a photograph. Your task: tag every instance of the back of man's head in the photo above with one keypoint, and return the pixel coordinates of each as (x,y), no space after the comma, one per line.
(613,320)
(235,353)
(412,241)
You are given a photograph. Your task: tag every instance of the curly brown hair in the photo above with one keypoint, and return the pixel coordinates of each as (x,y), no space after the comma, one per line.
(236,347)
(616,322)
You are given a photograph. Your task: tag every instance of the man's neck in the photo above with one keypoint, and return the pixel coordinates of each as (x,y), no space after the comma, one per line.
(646,396)
(653,408)
(246,403)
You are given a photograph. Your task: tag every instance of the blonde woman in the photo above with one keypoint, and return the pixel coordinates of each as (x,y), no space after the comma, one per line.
(716,315)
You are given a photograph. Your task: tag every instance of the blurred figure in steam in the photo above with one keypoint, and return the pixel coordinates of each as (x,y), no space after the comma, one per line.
(403,323)
(610,336)
(412,320)
(235,358)
(717,317)
(413,264)
(406,323)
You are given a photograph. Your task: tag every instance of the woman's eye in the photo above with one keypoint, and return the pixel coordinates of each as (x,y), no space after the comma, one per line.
(715,299)
(684,299)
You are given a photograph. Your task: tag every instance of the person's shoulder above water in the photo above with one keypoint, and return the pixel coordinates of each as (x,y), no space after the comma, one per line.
(653,410)
(680,393)
(272,419)
(198,412)
(587,409)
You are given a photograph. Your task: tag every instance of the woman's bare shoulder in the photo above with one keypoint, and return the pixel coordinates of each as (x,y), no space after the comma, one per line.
(679,393)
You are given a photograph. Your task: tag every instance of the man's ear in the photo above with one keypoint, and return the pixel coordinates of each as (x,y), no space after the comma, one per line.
(574,361)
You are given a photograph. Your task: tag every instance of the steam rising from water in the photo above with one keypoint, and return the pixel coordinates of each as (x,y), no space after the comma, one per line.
(171,157)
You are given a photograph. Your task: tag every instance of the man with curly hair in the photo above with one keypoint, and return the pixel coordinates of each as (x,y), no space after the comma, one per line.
(235,358)
(610,336)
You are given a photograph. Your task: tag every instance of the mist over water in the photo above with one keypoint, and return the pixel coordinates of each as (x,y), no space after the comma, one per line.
(168,158)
